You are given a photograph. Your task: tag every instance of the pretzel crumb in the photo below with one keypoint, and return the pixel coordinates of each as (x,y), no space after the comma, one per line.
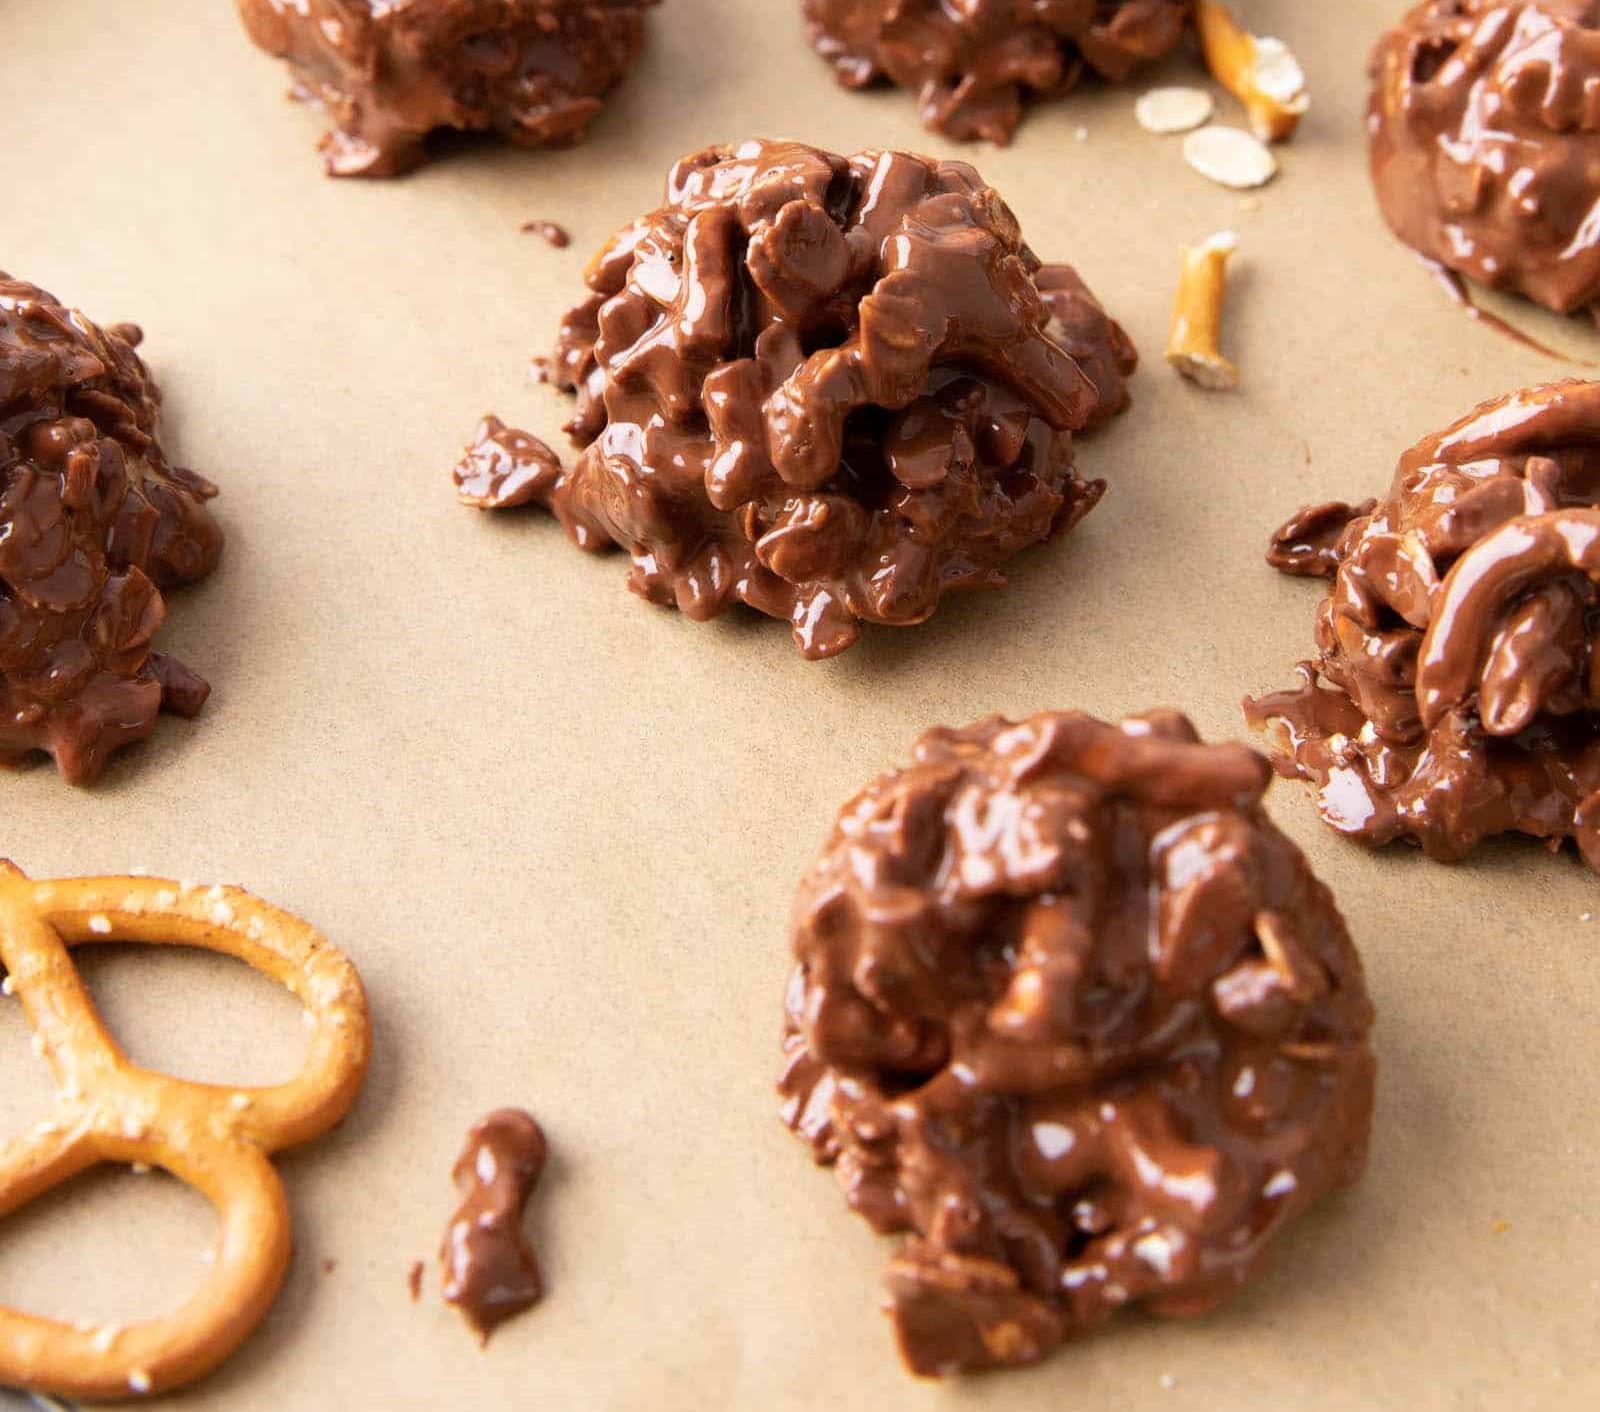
(1259,71)
(1169,110)
(1230,156)
(1192,347)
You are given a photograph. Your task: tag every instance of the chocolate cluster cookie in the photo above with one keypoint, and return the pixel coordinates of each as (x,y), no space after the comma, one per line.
(831,388)
(94,524)
(1459,637)
(973,65)
(1071,1014)
(1485,131)
(389,72)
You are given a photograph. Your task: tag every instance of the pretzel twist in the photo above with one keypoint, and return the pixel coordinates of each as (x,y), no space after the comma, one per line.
(216,1139)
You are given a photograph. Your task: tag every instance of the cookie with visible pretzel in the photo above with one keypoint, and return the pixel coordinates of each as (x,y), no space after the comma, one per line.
(214,1138)
(1460,637)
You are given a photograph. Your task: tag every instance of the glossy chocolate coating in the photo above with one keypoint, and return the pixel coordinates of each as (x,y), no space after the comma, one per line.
(1485,131)
(490,1271)
(1074,1015)
(389,72)
(972,65)
(1459,636)
(831,388)
(94,523)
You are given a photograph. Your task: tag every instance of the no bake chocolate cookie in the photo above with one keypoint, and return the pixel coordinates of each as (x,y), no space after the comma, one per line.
(1459,637)
(1072,1015)
(972,66)
(94,523)
(389,72)
(1485,131)
(831,388)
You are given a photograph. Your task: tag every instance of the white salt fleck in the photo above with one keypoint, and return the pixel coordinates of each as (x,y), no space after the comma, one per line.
(100,925)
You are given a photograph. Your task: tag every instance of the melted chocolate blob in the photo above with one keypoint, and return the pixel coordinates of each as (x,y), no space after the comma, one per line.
(1485,131)
(1459,636)
(389,72)
(973,65)
(94,524)
(553,233)
(831,388)
(490,1271)
(1074,1016)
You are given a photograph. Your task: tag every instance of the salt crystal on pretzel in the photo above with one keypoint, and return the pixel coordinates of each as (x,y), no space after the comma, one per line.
(108,1109)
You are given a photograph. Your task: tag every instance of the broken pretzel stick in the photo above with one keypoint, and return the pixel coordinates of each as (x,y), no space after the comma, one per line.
(215,1139)
(1197,314)
(1260,72)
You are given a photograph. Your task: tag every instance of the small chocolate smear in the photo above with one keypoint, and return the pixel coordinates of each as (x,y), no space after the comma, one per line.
(389,74)
(1483,140)
(1073,1016)
(553,233)
(490,1271)
(504,467)
(973,65)
(95,523)
(1308,542)
(1459,641)
(414,1280)
(833,389)
(1454,286)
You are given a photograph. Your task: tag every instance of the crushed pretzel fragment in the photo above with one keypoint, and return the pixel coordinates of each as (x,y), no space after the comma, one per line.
(1230,156)
(1259,71)
(1193,345)
(1169,110)
(110,1110)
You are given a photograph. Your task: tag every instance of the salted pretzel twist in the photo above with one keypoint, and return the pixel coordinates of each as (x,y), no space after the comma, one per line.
(216,1139)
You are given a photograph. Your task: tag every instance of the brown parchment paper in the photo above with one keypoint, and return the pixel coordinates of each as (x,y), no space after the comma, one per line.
(558,831)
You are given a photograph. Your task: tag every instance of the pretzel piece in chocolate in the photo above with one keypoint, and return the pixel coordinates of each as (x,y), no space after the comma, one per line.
(216,1139)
